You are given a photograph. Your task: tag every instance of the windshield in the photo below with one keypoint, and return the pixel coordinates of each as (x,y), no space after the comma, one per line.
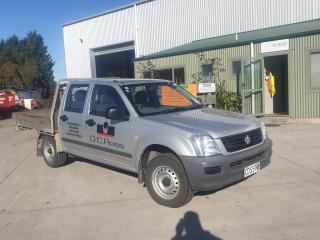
(159,98)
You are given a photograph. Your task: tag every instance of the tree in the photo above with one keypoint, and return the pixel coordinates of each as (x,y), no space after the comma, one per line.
(25,63)
(9,75)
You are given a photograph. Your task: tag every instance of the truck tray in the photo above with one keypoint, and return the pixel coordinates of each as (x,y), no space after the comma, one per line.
(38,119)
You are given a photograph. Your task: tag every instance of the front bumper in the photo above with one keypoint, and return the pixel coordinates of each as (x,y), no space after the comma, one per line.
(211,173)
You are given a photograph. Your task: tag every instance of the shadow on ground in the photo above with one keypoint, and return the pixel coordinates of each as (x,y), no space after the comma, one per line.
(189,228)
(205,193)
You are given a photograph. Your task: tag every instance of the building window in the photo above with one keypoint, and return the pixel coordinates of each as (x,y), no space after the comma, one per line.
(172,74)
(207,70)
(164,74)
(236,67)
(315,70)
(179,76)
(147,75)
(236,73)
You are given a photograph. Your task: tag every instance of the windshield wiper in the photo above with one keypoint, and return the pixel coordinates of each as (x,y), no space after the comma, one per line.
(171,110)
(193,107)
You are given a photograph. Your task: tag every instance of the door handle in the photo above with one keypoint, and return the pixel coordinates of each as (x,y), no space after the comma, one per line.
(64,118)
(90,122)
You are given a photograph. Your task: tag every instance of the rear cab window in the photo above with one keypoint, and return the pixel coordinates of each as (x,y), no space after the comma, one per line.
(76,98)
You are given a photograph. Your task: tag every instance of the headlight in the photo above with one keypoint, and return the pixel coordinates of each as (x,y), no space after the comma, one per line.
(263,130)
(205,146)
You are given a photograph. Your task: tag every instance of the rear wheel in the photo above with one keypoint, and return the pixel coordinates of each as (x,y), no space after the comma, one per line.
(50,154)
(167,182)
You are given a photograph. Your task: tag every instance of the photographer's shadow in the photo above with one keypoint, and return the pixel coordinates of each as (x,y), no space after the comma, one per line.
(189,228)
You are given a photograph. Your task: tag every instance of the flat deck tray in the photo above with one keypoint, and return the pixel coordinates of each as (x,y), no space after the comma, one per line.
(37,119)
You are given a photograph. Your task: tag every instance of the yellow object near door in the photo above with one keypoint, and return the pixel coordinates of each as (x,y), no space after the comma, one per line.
(271,84)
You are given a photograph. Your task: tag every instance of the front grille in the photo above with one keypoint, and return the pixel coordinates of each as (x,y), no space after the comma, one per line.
(237,142)
(248,159)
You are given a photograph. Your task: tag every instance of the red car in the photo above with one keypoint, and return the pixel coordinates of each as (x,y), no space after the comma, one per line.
(7,102)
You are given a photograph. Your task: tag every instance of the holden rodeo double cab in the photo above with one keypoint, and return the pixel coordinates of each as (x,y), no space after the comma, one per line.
(153,128)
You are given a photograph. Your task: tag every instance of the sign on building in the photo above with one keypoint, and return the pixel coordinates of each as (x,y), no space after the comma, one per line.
(275,46)
(206,87)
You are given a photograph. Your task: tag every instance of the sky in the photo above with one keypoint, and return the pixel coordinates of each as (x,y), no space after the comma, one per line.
(47,17)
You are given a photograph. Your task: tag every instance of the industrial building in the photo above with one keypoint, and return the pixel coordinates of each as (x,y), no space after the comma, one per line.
(249,36)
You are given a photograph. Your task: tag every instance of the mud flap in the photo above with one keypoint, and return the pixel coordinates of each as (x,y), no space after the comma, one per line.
(39,145)
(59,145)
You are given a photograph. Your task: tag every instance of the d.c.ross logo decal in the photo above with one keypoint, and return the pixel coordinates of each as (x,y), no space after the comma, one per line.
(105,130)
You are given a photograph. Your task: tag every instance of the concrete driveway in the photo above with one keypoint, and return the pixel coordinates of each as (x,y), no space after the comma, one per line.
(85,201)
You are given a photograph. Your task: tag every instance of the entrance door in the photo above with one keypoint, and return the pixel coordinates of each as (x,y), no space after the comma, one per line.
(118,64)
(279,103)
(113,61)
(107,141)
(252,87)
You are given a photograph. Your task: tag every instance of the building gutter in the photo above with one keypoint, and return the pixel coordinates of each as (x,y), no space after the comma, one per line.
(108,12)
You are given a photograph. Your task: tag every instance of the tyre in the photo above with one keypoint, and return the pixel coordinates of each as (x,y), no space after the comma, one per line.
(50,154)
(167,181)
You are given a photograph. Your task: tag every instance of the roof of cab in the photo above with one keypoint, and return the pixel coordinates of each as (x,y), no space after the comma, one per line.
(116,81)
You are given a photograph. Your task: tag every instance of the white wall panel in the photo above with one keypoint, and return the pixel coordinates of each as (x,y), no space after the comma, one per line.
(102,31)
(163,24)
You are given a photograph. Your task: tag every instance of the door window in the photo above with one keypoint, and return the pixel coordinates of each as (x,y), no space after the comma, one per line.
(76,98)
(103,98)
(252,88)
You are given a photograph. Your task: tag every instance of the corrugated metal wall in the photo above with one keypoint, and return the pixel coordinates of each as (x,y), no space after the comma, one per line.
(191,64)
(97,32)
(163,24)
(306,102)
(303,101)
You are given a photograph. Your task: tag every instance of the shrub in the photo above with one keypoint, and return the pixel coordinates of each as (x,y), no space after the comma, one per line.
(227,100)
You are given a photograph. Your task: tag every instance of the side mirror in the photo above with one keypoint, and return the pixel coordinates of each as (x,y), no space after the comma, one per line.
(117,113)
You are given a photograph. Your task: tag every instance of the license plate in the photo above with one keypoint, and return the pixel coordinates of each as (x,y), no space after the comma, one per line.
(252,169)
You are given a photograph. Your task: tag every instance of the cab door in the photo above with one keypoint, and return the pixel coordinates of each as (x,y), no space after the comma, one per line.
(108,141)
(71,118)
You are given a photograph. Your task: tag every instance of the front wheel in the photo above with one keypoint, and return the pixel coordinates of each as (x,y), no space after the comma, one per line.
(167,182)
(50,154)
